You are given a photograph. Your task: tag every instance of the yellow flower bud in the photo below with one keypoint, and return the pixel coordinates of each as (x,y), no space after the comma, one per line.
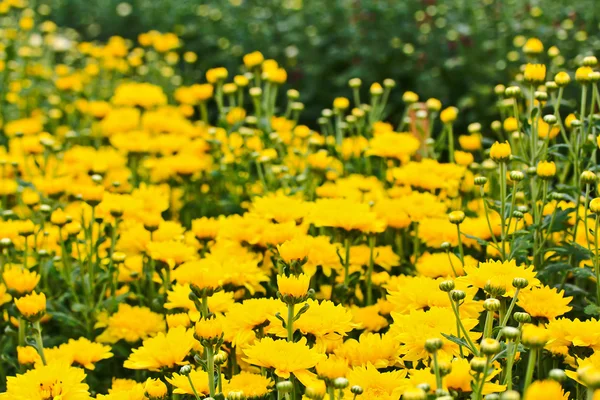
(595,205)
(500,152)
(32,306)
(546,169)
(449,115)
(533,46)
(293,287)
(155,389)
(341,103)
(582,75)
(208,329)
(535,73)
(562,79)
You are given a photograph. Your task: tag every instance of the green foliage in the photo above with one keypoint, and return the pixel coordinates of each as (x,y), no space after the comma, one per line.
(440,49)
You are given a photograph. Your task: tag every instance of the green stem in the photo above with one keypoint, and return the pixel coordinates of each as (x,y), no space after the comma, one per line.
(193,388)
(503,208)
(489,323)
(530,368)
(22,331)
(210,366)
(472,346)
(347,261)
(479,393)
(508,313)
(438,377)
(450,142)
(38,340)
(290,323)
(460,248)
(509,364)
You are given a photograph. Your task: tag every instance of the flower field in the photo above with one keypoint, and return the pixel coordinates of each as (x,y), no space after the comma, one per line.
(164,236)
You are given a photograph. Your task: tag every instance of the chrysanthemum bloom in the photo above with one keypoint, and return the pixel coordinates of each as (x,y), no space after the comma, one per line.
(331,368)
(341,103)
(470,142)
(412,330)
(32,306)
(155,389)
(252,385)
(380,350)
(546,169)
(182,385)
(545,302)
(52,381)
(19,280)
(595,205)
(449,115)
(131,324)
(293,288)
(378,385)
(582,74)
(533,46)
(511,124)
(534,336)
(86,353)
(400,146)
(327,322)
(27,355)
(564,333)
(294,250)
(500,152)
(546,390)
(500,274)
(179,319)
(209,330)
(547,131)
(463,158)
(535,73)
(163,350)
(562,79)
(284,357)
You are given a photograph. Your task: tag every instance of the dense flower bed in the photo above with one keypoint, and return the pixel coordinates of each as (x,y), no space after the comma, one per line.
(163,238)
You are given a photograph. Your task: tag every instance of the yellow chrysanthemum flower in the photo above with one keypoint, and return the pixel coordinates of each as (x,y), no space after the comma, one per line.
(163,350)
(284,357)
(500,274)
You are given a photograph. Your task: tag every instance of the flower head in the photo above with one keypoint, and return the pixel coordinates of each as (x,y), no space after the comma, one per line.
(293,287)
(32,306)
(545,302)
(284,357)
(163,350)
(500,152)
(52,381)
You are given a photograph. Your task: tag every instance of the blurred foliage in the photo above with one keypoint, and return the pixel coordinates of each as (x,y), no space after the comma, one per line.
(435,48)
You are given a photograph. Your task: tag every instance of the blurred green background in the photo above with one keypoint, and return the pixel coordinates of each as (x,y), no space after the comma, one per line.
(453,50)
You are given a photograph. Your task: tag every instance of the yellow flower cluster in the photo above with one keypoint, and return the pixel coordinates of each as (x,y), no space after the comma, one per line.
(162,240)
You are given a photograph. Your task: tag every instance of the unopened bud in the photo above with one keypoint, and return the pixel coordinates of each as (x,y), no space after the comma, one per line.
(491,304)
(522,317)
(433,345)
(457,295)
(510,332)
(520,283)
(357,390)
(447,286)
(557,375)
(490,346)
(340,383)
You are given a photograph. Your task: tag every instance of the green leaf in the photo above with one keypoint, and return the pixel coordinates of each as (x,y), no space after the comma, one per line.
(591,309)
(458,341)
